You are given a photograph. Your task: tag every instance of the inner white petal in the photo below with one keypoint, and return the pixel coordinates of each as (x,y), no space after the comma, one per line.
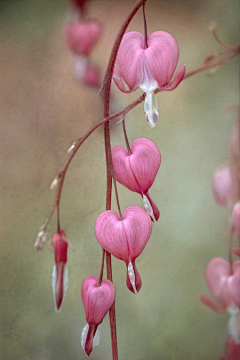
(148,207)
(234,327)
(148,84)
(131,275)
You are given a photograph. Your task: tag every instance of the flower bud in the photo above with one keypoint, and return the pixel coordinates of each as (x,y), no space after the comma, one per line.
(125,239)
(97,301)
(138,170)
(59,271)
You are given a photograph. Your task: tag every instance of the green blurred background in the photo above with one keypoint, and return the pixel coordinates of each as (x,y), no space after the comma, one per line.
(42,110)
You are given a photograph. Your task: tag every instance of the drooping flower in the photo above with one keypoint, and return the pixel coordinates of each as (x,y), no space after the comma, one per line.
(97,301)
(59,271)
(82,35)
(222,186)
(223,281)
(137,171)
(232,350)
(125,239)
(236,218)
(148,68)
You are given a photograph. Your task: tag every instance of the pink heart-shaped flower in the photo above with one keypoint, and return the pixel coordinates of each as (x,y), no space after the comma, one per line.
(137,171)
(125,239)
(82,35)
(97,301)
(224,283)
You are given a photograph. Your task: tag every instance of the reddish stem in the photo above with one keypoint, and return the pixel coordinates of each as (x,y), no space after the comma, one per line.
(117,199)
(102,268)
(126,138)
(145,27)
(106,96)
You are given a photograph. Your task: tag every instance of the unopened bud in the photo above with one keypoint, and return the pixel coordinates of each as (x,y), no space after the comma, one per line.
(212,25)
(72,147)
(54,183)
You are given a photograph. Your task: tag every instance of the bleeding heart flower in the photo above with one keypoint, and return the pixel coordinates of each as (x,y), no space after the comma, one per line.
(148,68)
(82,35)
(59,271)
(97,301)
(224,283)
(125,239)
(232,350)
(236,218)
(222,186)
(137,171)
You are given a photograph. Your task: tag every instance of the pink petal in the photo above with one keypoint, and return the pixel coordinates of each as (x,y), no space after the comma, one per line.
(221,186)
(236,218)
(236,251)
(119,82)
(206,300)
(81,35)
(234,283)
(124,239)
(232,350)
(60,247)
(97,300)
(59,286)
(162,56)
(217,274)
(137,171)
(177,79)
(129,60)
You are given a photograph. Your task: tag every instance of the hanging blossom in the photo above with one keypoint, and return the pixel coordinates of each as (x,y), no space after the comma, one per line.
(222,186)
(81,36)
(125,239)
(137,171)
(59,272)
(148,68)
(223,281)
(97,301)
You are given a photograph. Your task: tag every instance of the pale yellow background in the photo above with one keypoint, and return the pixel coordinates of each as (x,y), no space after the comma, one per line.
(42,109)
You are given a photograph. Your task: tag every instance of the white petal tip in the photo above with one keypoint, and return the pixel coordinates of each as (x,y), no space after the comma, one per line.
(65,285)
(131,276)
(96,339)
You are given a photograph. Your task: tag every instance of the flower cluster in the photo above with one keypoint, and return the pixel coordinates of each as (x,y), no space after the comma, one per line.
(223,277)
(148,63)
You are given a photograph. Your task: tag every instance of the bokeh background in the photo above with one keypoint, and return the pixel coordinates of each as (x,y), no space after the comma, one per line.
(42,109)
